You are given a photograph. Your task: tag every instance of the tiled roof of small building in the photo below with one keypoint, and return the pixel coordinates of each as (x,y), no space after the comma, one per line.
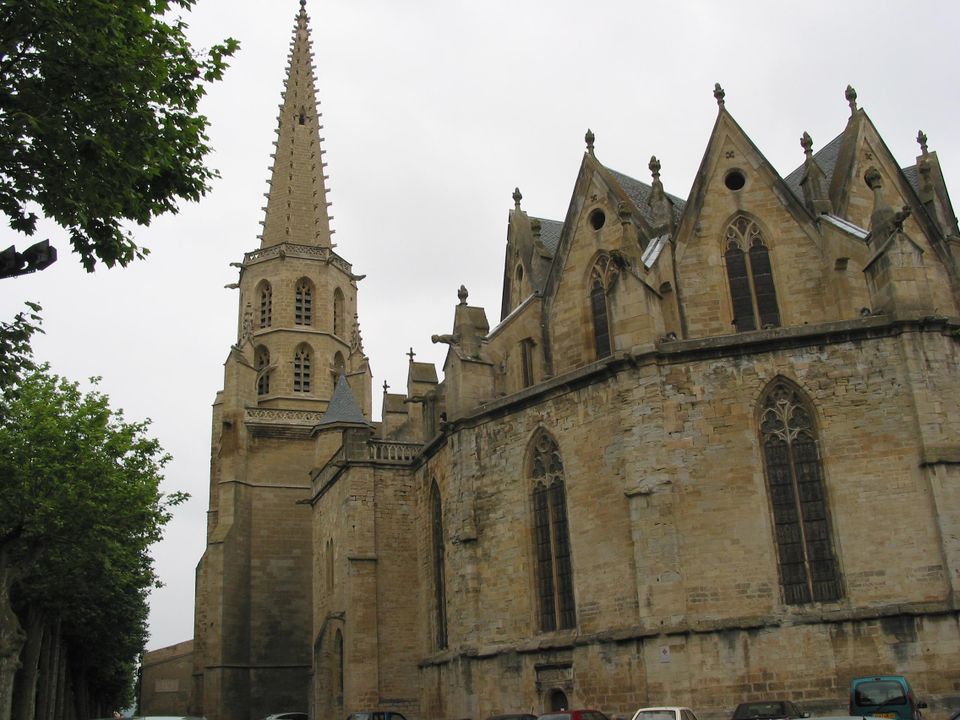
(343,406)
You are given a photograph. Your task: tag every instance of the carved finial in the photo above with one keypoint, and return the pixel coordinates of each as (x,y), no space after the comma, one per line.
(385,387)
(898,218)
(303,4)
(851,96)
(411,354)
(872,178)
(719,94)
(806,142)
(517,197)
(654,167)
(463,294)
(922,139)
(589,138)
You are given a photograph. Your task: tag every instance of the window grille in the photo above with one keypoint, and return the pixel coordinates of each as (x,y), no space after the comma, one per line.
(439,581)
(303,304)
(752,291)
(262,363)
(338,319)
(554,567)
(266,305)
(808,568)
(302,370)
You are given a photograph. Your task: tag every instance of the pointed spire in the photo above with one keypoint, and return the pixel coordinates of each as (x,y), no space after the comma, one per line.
(517,197)
(297,207)
(589,137)
(851,96)
(719,95)
(343,407)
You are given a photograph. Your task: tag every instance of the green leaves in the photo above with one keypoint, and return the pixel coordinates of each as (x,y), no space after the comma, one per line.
(99,122)
(79,509)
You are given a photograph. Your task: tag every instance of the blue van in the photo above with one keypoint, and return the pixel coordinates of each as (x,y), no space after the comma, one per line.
(884,696)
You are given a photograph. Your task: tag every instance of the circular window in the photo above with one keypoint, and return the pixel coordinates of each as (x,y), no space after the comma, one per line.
(597,219)
(734,180)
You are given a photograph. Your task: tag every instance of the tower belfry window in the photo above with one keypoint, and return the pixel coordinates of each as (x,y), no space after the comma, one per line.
(262,365)
(303,304)
(752,291)
(339,326)
(302,369)
(266,305)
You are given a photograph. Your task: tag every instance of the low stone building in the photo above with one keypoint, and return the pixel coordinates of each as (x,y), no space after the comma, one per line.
(709,453)
(166,678)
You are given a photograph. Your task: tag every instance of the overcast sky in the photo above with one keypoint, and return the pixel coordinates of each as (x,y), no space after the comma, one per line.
(434,111)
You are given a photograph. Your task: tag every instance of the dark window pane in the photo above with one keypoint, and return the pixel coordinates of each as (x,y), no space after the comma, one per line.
(763,284)
(601,327)
(743,318)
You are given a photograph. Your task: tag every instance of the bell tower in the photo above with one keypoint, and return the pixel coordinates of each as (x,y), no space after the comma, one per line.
(297,333)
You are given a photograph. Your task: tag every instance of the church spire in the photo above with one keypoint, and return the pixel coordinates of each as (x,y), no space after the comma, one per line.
(296,210)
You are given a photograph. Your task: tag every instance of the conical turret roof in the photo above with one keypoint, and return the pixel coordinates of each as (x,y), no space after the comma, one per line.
(343,407)
(296,210)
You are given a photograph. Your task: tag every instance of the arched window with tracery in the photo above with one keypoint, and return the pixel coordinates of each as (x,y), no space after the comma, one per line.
(808,568)
(302,369)
(339,323)
(752,291)
(262,366)
(303,303)
(554,568)
(265,294)
(439,568)
(603,276)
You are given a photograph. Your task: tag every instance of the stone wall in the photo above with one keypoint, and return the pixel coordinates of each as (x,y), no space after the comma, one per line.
(166,677)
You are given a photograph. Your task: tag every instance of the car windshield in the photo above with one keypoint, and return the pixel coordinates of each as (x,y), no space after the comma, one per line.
(879,692)
(760,710)
(655,715)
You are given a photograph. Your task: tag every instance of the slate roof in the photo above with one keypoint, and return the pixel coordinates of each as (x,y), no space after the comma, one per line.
(913,177)
(343,407)
(550,234)
(826,158)
(639,192)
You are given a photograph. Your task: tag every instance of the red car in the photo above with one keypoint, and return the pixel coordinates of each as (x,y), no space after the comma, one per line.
(574,715)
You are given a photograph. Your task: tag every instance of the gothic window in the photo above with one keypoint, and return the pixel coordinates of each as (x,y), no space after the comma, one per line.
(808,568)
(266,304)
(752,291)
(302,369)
(339,327)
(439,582)
(554,571)
(262,365)
(603,275)
(303,303)
(338,680)
(526,362)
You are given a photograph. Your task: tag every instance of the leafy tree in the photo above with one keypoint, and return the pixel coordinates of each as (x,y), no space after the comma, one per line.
(15,353)
(79,510)
(99,120)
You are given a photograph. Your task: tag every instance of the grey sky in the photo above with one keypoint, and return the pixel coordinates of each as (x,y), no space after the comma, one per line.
(434,111)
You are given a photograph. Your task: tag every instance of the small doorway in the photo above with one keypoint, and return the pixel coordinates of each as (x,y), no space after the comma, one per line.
(558,700)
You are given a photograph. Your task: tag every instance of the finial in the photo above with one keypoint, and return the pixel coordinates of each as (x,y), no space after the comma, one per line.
(922,139)
(719,94)
(411,354)
(303,4)
(589,138)
(900,217)
(517,197)
(385,387)
(806,142)
(872,178)
(851,96)
(463,294)
(654,167)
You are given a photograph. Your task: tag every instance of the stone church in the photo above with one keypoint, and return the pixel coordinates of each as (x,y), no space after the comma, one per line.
(709,452)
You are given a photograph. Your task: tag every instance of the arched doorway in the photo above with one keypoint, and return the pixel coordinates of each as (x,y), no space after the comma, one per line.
(557,700)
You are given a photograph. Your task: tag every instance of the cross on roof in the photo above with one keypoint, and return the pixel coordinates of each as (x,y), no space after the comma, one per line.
(411,354)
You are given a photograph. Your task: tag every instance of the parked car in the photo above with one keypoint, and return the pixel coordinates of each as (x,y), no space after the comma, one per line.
(664,713)
(376,715)
(885,696)
(287,716)
(573,715)
(768,710)
(513,716)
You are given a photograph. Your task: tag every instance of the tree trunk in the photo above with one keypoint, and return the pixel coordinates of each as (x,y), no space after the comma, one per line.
(25,688)
(48,685)
(12,638)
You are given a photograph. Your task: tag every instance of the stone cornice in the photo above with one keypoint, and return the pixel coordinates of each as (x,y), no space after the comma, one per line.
(308,252)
